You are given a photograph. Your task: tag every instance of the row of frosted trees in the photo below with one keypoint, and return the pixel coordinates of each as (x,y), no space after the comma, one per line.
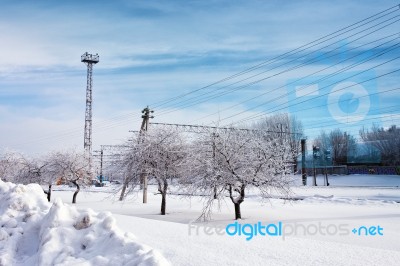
(58,166)
(216,164)
(376,145)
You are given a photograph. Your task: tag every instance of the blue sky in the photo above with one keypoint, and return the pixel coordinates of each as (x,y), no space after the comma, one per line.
(154,50)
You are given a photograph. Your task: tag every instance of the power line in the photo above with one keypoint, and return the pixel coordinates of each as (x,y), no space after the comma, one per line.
(204,129)
(302,78)
(219,94)
(381,118)
(116,121)
(377,114)
(73,133)
(161,103)
(325,94)
(224,93)
(322,79)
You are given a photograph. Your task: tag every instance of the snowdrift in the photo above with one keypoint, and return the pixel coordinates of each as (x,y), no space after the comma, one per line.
(35,232)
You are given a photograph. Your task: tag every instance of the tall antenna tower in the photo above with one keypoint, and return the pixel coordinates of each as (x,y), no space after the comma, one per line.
(89,60)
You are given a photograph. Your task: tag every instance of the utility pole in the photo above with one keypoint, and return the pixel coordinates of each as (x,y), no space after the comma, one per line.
(327,156)
(303,162)
(316,154)
(145,124)
(214,135)
(146,116)
(143,178)
(101,166)
(89,60)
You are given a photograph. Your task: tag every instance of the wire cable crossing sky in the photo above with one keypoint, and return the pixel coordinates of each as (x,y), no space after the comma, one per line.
(194,63)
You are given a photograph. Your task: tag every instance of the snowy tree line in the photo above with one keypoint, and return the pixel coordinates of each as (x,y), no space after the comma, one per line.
(386,141)
(376,145)
(223,164)
(58,166)
(217,164)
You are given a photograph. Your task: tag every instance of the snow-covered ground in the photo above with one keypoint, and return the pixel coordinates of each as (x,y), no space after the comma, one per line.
(183,241)
(332,211)
(35,232)
(371,187)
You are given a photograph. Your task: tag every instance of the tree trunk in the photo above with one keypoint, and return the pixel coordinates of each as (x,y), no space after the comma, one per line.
(144,189)
(215,192)
(238,215)
(49,193)
(76,191)
(126,183)
(163,190)
(121,197)
(163,203)
(238,200)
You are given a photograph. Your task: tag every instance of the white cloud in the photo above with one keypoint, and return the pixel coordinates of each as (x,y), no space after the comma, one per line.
(149,51)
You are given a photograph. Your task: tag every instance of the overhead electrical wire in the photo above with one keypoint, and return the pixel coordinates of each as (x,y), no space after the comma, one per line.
(304,77)
(296,50)
(374,113)
(120,120)
(325,94)
(236,89)
(343,70)
(366,121)
(256,117)
(360,97)
(216,94)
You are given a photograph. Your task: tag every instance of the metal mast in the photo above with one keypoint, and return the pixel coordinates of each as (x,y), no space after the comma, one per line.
(89,60)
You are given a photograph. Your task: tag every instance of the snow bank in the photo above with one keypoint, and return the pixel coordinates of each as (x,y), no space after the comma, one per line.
(35,232)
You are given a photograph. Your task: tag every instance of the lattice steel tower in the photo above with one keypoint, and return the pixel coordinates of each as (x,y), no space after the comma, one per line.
(89,60)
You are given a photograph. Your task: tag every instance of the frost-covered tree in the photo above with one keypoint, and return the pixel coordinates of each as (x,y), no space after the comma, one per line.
(34,170)
(129,167)
(11,166)
(386,141)
(163,154)
(69,166)
(287,126)
(227,162)
(341,144)
(158,154)
(19,168)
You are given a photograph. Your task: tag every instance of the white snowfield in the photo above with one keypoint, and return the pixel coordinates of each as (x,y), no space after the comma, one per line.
(58,234)
(35,232)
(185,242)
